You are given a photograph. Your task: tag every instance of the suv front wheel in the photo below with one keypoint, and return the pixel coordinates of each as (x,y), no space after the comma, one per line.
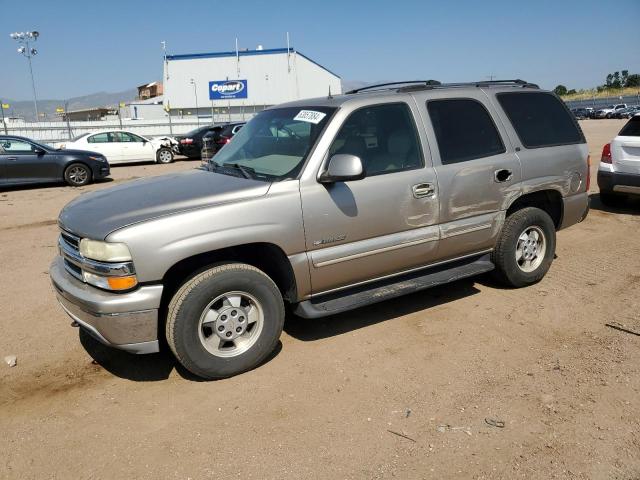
(225,320)
(525,248)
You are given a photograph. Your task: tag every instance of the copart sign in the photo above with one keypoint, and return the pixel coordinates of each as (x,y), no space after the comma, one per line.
(224,89)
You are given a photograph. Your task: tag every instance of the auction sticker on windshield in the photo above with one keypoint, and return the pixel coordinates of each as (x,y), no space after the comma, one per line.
(310,116)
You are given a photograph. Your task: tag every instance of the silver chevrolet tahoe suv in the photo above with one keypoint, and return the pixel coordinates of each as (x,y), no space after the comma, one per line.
(324,205)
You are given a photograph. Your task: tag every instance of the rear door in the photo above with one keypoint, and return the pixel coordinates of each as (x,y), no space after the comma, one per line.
(625,148)
(477,170)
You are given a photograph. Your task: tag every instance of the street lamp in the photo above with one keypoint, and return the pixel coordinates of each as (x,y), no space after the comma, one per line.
(23,38)
(195,94)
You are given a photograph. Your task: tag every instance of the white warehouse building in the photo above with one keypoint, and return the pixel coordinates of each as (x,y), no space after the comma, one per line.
(239,83)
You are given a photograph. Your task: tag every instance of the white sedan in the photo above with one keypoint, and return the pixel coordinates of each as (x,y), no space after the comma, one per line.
(123,147)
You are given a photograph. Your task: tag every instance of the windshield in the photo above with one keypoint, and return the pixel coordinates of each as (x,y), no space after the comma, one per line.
(275,143)
(75,139)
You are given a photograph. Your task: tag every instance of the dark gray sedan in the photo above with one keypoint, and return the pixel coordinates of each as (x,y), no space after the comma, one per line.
(23,161)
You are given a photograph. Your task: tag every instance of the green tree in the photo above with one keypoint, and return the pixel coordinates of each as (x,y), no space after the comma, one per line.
(625,76)
(572,92)
(616,80)
(633,80)
(609,80)
(560,90)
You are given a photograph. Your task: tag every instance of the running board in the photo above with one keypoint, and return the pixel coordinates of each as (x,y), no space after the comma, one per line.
(333,303)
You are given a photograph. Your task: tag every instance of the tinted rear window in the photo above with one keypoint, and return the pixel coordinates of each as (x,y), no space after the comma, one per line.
(540,119)
(632,128)
(464,130)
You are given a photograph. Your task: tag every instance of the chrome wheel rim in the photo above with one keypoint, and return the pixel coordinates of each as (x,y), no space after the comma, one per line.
(231,324)
(78,175)
(531,249)
(165,156)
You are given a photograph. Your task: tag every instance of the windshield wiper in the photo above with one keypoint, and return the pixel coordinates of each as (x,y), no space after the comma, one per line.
(247,172)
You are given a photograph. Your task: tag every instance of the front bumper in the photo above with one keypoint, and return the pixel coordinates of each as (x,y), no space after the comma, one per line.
(128,321)
(618,182)
(101,171)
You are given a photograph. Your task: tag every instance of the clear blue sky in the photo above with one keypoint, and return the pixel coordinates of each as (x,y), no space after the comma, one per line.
(113,45)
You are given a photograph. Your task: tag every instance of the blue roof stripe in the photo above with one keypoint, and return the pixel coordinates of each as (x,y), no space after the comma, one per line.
(245,53)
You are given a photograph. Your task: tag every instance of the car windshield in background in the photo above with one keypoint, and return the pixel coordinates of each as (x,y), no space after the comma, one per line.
(274,145)
(632,128)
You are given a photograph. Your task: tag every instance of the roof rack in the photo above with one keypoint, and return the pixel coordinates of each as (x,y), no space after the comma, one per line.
(427,85)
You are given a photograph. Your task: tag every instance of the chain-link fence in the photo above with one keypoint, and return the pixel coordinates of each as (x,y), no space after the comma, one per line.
(50,132)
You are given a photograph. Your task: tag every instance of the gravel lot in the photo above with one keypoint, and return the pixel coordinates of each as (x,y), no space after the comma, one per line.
(431,366)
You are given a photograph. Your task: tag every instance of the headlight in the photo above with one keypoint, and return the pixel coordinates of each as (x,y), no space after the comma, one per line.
(104,251)
(98,159)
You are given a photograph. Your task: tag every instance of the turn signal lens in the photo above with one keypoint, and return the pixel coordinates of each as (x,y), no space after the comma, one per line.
(122,283)
(110,283)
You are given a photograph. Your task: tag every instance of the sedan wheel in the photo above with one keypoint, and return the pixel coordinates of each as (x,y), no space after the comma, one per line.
(164,155)
(77,175)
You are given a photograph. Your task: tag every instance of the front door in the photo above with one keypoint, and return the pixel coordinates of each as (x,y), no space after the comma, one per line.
(25,163)
(380,225)
(135,148)
(106,143)
(478,171)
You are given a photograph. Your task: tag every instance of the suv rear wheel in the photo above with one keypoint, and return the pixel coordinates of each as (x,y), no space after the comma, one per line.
(225,320)
(525,248)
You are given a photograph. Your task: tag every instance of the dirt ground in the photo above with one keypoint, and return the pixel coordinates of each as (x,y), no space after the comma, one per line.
(431,366)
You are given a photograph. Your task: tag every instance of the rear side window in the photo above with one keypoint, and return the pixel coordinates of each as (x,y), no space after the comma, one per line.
(632,128)
(464,130)
(540,119)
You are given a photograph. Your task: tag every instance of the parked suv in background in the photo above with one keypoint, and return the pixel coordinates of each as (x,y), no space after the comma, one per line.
(326,204)
(619,170)
(218,138)
(607,112)
(190,144)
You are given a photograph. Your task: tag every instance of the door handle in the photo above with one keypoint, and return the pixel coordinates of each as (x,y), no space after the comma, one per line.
(422,190)
(12,159)
(503,175)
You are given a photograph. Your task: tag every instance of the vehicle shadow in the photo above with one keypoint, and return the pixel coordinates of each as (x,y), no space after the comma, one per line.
(308,330)
(629,205)
(153,367)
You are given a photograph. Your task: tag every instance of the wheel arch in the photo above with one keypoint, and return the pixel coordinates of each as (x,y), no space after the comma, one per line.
(548,200)
(268,257)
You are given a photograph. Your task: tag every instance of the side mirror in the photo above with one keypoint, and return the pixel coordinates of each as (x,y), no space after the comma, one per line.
(39,151)
(343,168)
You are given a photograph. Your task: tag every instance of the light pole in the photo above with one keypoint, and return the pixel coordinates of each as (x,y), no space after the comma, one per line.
(195,94)
(23,38)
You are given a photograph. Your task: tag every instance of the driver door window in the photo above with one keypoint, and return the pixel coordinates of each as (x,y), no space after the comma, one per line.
(18,147)
(384,137)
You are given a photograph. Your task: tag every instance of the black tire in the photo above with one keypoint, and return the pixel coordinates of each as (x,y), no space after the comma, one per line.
(183,327)
(508,271)
(610,199)
(77,175)
(164,155)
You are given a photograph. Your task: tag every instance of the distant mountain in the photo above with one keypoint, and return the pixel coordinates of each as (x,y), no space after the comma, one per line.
(24,108)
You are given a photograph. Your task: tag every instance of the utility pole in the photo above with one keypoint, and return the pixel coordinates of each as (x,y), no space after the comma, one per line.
(23,38)
(195,93)
(6,132)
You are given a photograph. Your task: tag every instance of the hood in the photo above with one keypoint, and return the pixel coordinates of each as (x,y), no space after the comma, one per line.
(97,214)
(80,153)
